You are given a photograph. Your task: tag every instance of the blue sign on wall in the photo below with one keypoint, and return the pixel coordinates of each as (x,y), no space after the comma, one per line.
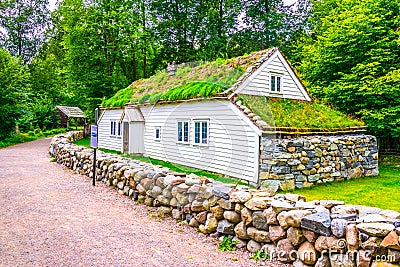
(93,136)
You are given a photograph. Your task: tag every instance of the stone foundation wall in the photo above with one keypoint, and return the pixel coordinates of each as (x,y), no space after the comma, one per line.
(285,226)
(302,162)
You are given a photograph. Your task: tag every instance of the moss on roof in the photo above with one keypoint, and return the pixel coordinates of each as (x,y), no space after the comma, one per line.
(298,114)
(205,78)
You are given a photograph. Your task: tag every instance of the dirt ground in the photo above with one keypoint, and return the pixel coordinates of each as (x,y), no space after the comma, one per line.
(50,216)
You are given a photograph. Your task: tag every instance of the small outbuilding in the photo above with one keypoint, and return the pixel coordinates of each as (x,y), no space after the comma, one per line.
(67,113)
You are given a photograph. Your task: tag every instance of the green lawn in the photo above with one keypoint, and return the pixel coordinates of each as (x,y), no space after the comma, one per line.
(31,136)
(381,191)
(172,166)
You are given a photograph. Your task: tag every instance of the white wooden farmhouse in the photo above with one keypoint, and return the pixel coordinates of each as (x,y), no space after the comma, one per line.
(212,133)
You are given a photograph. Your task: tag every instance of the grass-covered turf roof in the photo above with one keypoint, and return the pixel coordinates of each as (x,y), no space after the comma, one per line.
(197,79)
(278,112)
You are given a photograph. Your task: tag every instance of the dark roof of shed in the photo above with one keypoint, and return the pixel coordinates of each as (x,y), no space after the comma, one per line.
(71,112)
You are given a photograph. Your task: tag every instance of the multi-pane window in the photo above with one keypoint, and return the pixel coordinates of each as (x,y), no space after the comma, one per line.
(275,83)
(201,132)
(116,128)
(183,131)
(157,133)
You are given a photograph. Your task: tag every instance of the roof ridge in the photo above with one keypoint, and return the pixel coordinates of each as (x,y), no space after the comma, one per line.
(250,70)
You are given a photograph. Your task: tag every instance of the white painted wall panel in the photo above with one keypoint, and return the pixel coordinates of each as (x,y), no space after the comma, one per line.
(233,140)
(105,139)
(258,83)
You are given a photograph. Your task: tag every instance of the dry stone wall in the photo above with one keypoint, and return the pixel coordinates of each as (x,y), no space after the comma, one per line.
(285,227)
(302,162)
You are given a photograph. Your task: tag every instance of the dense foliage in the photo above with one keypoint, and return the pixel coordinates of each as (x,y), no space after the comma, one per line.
(23,24)
(14,83)
(352,59)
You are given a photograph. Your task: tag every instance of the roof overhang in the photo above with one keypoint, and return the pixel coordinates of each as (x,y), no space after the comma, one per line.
(71,112)
(132,114)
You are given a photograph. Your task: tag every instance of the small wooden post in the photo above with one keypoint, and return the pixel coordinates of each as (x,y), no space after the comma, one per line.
(94,145)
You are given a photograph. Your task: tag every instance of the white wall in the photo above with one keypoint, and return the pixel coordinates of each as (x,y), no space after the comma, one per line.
(258,83)
(105,139)
(233,147)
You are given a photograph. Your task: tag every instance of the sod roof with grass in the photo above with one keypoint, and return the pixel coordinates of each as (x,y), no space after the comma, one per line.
(210,79)
(287,113)
(191,80)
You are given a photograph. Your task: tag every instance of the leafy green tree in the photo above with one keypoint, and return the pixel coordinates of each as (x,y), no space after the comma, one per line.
(24,23)
(353,60)
(107,46)
(14,81)
(176,29)
(263,25)
(218,20)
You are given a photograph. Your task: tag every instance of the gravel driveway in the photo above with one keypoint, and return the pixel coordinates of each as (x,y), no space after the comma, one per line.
(50,216)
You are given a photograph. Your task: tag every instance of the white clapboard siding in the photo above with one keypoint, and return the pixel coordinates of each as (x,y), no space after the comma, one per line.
(233,147)
(104,130)
(259,82)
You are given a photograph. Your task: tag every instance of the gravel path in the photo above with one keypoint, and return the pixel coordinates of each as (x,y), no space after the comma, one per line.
(50,216)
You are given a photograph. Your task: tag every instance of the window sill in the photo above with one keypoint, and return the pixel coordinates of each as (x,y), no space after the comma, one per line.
(115,136)
(276,93)
(183,143)
(201,145)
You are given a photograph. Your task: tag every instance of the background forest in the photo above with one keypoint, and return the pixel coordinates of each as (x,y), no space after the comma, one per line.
(347,52)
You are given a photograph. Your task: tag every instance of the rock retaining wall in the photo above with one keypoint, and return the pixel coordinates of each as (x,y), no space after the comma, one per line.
(302,162)
(285,226)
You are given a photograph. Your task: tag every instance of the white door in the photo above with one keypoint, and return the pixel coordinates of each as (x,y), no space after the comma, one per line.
(136,138)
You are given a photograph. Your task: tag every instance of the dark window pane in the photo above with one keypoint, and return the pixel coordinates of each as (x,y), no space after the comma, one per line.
(278,84)
(197,132)
(186,132)
(180,132)
(204,132)
(273,83)
(113,128)
(158,133)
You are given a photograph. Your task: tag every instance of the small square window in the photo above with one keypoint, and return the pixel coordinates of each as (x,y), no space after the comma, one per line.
(115,128)
(275,84)
(157,133)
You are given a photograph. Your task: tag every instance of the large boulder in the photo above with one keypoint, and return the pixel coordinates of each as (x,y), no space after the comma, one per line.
(375,229)
(319,223)
(258,235)
(307,253)
(225,227)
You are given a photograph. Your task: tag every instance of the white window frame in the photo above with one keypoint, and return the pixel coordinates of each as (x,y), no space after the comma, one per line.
(201,140)
(157,128)
(119,127)
(115,128)
(274,85)
(181,124)
(112,128)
